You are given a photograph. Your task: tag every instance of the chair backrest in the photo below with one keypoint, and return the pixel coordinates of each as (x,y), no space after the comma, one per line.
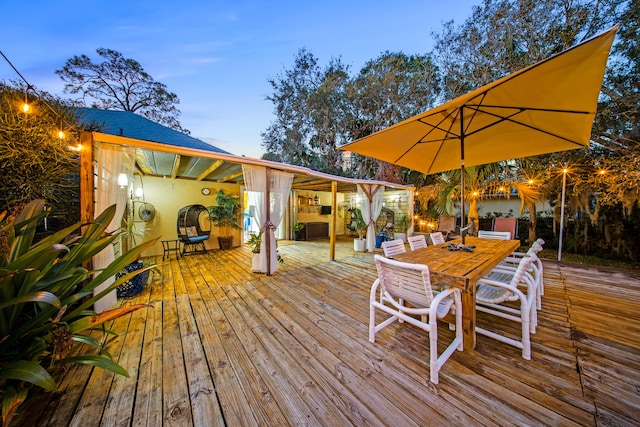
(503,235)
(437,238)
(506,224)
(393,247)
(191,221)
(446,223)
(417,242)
(402,280)
(523,266)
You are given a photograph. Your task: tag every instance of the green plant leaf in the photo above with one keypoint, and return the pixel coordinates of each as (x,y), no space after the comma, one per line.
(11,402)
(31,372)
(100,362)
(42,296)
(85,339)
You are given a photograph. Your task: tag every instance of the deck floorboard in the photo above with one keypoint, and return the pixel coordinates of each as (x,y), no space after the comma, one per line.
(220,345)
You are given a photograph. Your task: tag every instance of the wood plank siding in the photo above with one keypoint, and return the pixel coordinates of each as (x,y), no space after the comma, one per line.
(220,345)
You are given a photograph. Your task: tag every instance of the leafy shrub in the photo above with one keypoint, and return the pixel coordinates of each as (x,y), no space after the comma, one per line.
(46,295)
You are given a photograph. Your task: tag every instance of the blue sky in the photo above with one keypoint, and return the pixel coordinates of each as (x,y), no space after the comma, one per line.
(216,55)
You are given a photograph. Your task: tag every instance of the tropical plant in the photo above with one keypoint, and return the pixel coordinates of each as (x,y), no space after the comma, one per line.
(403,224)
(227,212)
(359,223)
(46,295)
(255,240)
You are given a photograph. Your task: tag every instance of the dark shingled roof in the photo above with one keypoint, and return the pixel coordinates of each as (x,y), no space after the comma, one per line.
(131,125)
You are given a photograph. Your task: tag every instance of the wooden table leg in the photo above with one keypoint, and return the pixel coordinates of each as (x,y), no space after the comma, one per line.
(469,317)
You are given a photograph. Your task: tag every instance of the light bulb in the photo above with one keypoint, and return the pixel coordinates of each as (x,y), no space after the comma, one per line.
(26,108)
(60,134)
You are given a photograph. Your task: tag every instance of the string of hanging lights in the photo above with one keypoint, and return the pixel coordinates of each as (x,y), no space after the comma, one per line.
(27,107)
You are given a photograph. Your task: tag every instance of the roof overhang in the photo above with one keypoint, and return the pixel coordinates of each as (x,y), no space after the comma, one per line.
(162,160)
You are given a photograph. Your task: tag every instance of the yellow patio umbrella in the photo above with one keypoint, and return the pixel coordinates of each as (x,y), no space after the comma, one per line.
(544,108)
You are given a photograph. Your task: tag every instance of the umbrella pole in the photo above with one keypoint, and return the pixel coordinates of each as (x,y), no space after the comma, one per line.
(462,171)
(564,186)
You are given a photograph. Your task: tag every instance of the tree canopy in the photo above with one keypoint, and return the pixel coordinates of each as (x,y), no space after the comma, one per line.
(119,83)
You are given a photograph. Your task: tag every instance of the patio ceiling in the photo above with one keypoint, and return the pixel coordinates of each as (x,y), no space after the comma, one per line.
(162,160)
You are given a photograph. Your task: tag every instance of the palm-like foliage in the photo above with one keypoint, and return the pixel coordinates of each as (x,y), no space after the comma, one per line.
(46,294)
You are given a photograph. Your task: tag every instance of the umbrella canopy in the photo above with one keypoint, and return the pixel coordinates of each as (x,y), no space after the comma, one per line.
(544,108)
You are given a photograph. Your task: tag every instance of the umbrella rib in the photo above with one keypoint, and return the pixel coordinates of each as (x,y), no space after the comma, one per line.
(522,109)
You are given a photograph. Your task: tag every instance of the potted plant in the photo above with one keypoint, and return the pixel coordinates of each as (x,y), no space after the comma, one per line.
(225,216)
(297,230)
(255,240)
(401,228)
(360,226)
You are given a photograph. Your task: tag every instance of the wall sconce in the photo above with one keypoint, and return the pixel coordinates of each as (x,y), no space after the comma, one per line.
(139,193)
(123,181)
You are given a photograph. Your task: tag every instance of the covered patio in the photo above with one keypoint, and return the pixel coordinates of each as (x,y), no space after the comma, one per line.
(220,345)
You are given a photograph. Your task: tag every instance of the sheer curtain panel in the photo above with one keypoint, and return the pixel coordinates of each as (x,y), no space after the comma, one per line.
(370,204)
(111,162)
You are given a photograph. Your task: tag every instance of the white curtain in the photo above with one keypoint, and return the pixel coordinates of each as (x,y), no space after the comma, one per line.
(111,162)
(370,200)
(255,180)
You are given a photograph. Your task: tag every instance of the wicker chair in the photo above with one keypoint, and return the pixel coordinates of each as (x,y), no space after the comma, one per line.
(400,282)
(494,295)
(417,242)
(393,247)
(437,238)
(190,228)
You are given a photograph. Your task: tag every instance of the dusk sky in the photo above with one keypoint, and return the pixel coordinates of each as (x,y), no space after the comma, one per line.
(216,55)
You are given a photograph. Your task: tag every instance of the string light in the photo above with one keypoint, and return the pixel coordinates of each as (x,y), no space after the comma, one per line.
(27,108)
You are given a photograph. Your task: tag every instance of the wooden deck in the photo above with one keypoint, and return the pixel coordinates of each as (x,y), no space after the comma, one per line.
(220,345)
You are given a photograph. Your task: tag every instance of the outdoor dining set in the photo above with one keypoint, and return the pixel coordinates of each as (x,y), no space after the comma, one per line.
(450,281)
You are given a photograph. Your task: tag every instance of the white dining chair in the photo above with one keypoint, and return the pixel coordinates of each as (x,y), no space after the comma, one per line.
(437,238)
(393,247)
(417,242)
(536,268)
(400,282)
(493,295)
(484,234)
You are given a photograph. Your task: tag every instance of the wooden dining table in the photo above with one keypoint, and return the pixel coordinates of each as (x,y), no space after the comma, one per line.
(462,269)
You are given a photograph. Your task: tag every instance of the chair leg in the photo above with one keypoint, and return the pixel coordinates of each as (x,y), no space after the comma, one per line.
(433,354)
(526,340)
(372,324)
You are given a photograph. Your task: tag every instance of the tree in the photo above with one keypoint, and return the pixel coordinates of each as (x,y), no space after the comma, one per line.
(389,89)
(36,163)
(120,83)
(319,109)
(307,101)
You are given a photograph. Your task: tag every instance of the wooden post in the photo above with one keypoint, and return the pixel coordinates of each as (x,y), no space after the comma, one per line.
(332,236)
(267,206)
(87,205)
